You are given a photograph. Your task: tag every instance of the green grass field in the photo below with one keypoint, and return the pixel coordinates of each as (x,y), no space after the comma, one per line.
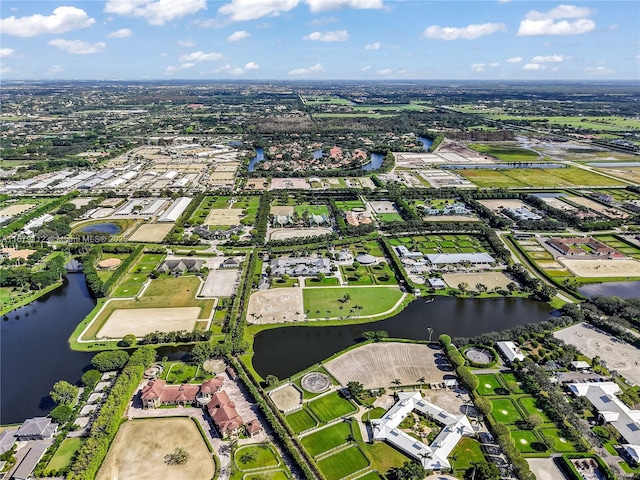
(64,453)
(527,441)
(536,177)
(505,411)
(530,404)
(489,383)
(325,302)
(371,476)
(511,378)
(343,463)
(131,284)
(330,407)
(270,475)
(255,456)
(507,153)
(348,205)
(311,209)
(561,445)
(467,453)
(460,243)
(327,438)
(300,421)
(389,217)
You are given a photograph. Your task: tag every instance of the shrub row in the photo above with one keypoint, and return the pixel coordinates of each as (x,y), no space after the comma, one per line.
(97,286)
(90,456)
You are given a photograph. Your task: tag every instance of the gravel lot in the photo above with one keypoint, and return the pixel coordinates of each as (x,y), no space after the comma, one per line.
(220,283)
(276,305)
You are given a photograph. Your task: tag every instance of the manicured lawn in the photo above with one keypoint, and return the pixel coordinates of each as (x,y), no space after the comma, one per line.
(63,455)
(371,476)
(325,282)
(505,152)
(331,406)
(325,302)
(347,205)
(383,456)
(466,453)
(343,463)
(536,177)
(488,385)
(327,438)
(311,209)
(505,411)
(561,444)
(527,441)
(178,373)
(389,217)
(255,456)
(511,378)
(271,475)
(531,405)
(130,285)
(301,421)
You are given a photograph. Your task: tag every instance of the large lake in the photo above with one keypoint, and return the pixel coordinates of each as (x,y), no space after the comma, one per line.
(612,289)
(287,350)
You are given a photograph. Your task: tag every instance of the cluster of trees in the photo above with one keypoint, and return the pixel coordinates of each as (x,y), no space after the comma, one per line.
(262,218)
(95,283)
(376,336)
(26,278)
(345,228)
(91,454)
(17,224)
(410,470)
(179,336)
(538,289)
(110,360)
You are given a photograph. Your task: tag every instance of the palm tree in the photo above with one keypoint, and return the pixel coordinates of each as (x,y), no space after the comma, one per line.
(422,380)
(396,382)
(429,331)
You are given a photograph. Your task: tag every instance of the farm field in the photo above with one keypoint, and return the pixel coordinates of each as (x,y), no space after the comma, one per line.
(331,406)
(220,211)
(366,301)
(628,173)
(311,209)
(139,448)
(536,177)
(506,152)
(596,123)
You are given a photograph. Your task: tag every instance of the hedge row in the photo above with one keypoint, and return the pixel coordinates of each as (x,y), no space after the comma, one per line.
(572,473)
(97,286)
(89,457)
(280,426)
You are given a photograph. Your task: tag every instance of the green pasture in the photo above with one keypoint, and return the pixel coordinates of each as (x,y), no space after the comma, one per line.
(131,284)
(343,463)
(364,301)
(331,406)
(532,406)
(536,177)
(320,100)
(311,209)
(561,444)
(507,153)
(466,453)
(348,205)
(255,456)
(369,275)
(527,441)
(389,217)
(441,243)
(511,378)
(62,458)
(327,438)
(301,420)
(489,385)
(505,411)
(268,475)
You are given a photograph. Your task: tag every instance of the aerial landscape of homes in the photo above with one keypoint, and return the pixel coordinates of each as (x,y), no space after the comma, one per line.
(404,291)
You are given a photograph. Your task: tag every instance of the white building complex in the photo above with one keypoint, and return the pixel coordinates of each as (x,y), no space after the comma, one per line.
(175,210)
(431,457)
(510,351)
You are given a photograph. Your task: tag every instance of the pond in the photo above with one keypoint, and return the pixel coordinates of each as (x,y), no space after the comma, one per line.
(612,289)
(426,143)
(287,350)
(258,158)
(374,163)
(109,228)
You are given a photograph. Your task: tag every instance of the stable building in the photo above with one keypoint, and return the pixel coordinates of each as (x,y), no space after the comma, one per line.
(510,351)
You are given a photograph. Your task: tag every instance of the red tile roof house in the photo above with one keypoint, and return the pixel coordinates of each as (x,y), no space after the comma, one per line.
(157,393)
(566,246)
(224,414)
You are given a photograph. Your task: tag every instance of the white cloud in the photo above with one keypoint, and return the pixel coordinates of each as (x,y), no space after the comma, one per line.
(599,70)
(172,69)
(494,64)
(186,43)
(478,67)
(372,46)
(5,52)
(638,57)
(549,59)
(122,33)
(237,36)
(317,68)
(62,20)
(155,12)
(77,47)
(504,1)
(322,5)
(251,66)
(534,66)
(385,72)
(336,36)
(4,69)
(514,60)
(236,71)
(364,69)
(470,32)
(547,23)
(200,56)
(55,69)
(242,10)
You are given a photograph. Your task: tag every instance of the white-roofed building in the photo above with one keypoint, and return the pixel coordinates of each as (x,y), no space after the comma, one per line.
(510,351)
(610,408)
(175,210)
(431,457)
(632,453)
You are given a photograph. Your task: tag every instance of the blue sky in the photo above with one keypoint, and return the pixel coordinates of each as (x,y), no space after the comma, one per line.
(319,39)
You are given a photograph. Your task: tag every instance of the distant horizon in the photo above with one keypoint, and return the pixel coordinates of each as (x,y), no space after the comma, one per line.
(414,40)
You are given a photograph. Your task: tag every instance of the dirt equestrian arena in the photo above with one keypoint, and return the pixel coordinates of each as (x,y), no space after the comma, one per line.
(602,267)
(140,446)
(489,280)
(220,283)
(225,216)
(620,356)
(276,305)
(141,321)
(379,364)
(286,233)
(315,382)
(287,398)
(154,232)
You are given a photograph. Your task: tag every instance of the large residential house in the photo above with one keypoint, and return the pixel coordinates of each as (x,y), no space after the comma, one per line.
(157,393)
(181,265)
(304,266)
(224,414)
(456,208)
